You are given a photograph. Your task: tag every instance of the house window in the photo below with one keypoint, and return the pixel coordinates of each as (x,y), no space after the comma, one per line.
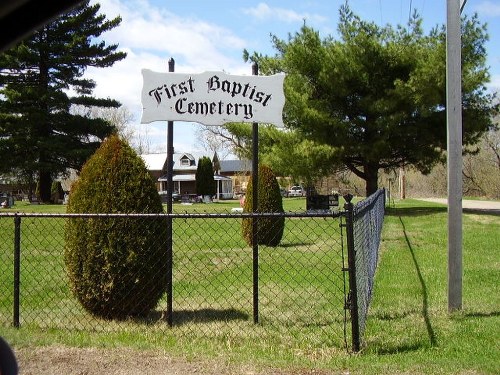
(185,162)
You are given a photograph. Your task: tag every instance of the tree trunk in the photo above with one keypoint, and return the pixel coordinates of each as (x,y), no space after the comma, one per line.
(402,183)
(369,174)
(44,186)
(371,178)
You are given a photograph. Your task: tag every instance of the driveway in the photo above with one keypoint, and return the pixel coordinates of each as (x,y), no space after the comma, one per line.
(469,205)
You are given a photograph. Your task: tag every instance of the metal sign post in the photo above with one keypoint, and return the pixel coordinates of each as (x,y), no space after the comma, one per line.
(212,98)
(170,187)
(255,197)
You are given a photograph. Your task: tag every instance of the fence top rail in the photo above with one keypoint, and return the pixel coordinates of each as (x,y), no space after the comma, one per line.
(367,203)
(196,215)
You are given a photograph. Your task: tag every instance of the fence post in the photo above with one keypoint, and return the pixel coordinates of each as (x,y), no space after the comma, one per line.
(351,262)
(255,205)
(17,268)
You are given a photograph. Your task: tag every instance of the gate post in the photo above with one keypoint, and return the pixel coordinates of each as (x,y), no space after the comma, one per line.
(17,268)
(352,302)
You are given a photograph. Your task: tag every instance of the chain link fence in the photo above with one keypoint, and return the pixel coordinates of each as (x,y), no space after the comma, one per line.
(300,282)
(219,287)
(364,223)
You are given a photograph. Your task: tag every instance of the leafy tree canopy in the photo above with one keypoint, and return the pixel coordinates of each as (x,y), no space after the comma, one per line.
(41,78)
(377,95)
(286,152)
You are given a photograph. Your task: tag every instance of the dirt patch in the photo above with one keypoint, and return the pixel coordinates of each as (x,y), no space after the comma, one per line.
(92,361)
(88,361)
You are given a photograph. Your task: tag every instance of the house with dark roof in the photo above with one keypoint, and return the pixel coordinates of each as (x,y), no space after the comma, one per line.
(239,171)
(184,171)
(231,176)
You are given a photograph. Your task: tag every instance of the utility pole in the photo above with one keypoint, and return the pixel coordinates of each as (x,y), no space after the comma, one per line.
(454,148)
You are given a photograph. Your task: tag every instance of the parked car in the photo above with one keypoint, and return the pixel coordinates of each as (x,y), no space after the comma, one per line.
(296,191)
(176,197)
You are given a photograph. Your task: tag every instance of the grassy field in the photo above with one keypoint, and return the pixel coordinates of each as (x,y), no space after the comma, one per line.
(289,204)
(409,330)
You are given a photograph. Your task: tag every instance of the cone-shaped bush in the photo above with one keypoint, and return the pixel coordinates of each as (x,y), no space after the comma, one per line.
(205,183)
(269,229)
(116,265)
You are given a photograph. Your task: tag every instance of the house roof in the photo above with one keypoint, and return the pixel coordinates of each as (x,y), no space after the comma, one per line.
(191,177)
(156,162)
(235,166)
(180,177)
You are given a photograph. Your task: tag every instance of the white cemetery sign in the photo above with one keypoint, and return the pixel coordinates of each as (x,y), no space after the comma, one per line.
(212,98)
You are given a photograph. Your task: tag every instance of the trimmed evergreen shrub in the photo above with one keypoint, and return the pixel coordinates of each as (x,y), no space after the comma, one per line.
(116,266)
(269,230)
(205,183)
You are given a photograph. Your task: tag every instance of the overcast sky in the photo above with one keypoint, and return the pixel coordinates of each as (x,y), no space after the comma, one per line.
(211,35)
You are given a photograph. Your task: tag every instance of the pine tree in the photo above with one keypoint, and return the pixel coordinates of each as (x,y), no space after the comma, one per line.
(39,135)
(376,95)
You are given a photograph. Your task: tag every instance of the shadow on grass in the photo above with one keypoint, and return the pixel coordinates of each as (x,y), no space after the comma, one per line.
(394,316)
(425,298)
(294,244)
(405,348)
(418,344)
(482,314)
(422,211)
(207,315)
(181,317)
(414,211)
(479,211)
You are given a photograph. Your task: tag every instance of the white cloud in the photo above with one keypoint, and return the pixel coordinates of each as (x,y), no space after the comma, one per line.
(264,12)
(123,81)
(190,40)
(494,84)
(488,8)
(150,36)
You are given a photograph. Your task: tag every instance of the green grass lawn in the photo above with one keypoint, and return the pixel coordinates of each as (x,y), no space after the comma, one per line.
(409,329)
